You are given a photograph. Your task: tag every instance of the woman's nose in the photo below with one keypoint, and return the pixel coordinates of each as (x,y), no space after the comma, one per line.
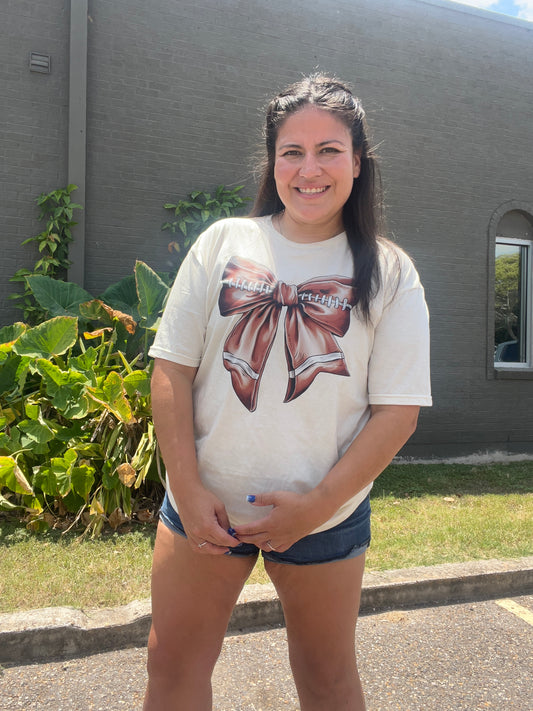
(310,167)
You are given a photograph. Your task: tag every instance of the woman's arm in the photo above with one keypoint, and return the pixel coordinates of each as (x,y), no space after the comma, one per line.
(387,430)
(296,515)
(203,515)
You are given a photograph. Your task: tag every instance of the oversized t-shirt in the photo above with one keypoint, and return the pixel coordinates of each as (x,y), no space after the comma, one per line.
(287,368)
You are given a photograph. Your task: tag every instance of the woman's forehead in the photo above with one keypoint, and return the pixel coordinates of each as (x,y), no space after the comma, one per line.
(312,123)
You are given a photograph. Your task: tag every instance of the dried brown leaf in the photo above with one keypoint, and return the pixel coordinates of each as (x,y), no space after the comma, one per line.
(126,474)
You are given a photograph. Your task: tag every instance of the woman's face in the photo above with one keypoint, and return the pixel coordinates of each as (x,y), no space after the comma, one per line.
(314,169)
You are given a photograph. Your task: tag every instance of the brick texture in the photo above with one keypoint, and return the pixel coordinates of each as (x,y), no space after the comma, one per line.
(175,90)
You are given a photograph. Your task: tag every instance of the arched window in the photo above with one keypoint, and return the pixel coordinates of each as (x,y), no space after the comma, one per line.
(513,291)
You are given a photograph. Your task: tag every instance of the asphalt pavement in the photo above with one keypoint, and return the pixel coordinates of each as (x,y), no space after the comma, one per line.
(446,638)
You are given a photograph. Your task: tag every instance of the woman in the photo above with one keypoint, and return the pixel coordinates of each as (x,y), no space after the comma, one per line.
(291,363)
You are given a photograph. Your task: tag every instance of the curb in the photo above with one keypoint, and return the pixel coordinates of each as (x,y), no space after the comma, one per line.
(58,633)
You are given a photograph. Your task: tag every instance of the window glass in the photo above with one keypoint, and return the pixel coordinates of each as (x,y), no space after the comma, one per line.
(511,288)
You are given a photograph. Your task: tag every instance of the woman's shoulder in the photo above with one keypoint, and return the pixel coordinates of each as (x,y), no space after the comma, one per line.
(396,266)
(227,236)
(227,228)
(235,224)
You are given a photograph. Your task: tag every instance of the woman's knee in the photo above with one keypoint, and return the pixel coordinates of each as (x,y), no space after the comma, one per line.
(324,683)
(175,660)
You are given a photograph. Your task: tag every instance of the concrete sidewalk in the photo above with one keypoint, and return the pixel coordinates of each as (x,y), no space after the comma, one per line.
(62,633)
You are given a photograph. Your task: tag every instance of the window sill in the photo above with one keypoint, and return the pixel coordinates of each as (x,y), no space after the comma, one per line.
(513,373)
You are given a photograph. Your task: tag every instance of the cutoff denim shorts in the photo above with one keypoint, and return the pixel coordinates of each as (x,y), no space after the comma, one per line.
(348,539)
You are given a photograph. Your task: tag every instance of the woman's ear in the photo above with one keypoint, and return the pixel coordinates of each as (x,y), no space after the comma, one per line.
(356,164)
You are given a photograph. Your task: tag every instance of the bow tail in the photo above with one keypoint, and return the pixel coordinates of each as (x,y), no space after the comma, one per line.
(246,351)
(310,350)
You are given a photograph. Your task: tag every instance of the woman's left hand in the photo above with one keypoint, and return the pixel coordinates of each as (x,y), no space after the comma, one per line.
(292,517)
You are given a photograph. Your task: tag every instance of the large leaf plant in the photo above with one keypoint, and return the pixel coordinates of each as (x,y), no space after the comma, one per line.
(77,442)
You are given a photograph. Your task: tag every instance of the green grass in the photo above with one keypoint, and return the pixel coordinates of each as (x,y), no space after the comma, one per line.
(422,515)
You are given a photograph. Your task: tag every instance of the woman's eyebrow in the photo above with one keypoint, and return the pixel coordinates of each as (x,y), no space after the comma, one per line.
(319,145)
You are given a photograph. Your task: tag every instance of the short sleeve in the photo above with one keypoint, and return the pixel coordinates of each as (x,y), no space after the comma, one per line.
(399,367)
(181,333)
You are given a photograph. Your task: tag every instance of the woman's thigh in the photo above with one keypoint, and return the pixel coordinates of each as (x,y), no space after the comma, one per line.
(321,605)
(193,596)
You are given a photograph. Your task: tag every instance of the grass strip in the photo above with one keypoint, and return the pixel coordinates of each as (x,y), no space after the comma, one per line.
(423,514)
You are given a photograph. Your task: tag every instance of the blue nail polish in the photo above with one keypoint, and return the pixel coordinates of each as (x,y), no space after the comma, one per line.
(231,531)
(250,498)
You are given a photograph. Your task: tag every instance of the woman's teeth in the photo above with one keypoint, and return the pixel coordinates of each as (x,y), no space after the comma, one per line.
(311,191)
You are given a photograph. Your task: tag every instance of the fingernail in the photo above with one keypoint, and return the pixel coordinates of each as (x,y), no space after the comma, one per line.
(231,531)
(250,498)
(227,553)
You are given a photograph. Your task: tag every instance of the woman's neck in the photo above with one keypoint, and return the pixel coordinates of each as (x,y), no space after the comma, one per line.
(306,232)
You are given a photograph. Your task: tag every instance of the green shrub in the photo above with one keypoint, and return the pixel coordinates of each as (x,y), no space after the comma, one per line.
(76,435)
(194,215)
(57,209)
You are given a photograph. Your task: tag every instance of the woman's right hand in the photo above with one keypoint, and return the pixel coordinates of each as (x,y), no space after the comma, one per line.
(205,521)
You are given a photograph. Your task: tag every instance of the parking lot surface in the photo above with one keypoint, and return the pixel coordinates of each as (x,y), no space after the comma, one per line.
(468,656)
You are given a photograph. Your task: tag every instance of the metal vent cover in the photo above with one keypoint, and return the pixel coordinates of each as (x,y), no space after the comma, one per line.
(40,62)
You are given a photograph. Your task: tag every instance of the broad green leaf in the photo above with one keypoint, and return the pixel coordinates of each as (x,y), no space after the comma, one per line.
(61,471)
(10,444)
(45,480)
(84,363)
(52,374)
(70,456)
(67,389)
(10,334)
(53,337)
(72,501)
(59,298)
(112,395)
(94,311)
(8,374)
(123,296)
(11,475)
(32,410)
(82,480)
(152,292)
(137,382)
(36,431)
(110,480)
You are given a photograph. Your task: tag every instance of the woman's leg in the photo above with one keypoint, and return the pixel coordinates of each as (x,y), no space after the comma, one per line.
(321,604)
(192,600)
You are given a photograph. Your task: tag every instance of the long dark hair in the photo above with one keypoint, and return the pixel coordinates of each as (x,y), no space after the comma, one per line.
(362,213)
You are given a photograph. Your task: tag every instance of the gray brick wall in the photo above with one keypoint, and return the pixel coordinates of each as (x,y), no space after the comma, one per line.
(174,96)
(33,126)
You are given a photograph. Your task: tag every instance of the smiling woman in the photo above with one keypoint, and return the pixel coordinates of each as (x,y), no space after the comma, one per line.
(291,362)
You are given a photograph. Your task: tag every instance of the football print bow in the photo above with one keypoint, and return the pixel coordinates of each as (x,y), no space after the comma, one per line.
(317,311)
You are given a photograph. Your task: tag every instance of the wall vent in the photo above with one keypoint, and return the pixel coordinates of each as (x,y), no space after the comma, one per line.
(40,62)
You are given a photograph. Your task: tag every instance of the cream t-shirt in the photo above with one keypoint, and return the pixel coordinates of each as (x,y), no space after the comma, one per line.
(287,370)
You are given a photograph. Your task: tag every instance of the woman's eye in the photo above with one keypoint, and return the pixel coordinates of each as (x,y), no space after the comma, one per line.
(291,153)
(330,149)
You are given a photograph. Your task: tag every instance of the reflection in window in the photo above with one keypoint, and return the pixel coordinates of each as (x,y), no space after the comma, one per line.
(512,286)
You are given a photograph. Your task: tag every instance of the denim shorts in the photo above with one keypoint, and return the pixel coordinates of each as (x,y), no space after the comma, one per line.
(348,539)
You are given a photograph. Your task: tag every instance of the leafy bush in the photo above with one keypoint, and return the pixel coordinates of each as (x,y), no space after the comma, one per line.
(76,438)
(57,208)
(201,209)
(76,434)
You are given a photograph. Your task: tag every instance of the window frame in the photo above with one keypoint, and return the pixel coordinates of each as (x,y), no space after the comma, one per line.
(527,300)
(511,371)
